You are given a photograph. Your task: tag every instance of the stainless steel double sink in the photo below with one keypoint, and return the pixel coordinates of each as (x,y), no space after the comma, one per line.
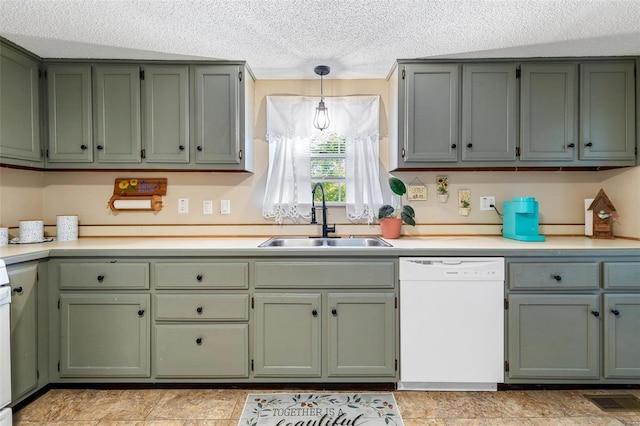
(312,242)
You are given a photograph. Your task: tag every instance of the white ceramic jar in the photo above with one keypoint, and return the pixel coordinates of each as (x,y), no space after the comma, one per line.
(31,231)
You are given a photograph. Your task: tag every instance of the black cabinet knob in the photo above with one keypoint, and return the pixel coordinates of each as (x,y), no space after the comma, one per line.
(615,312)
(595,313)
(199,340)
(454,146)
(199,147)
(100,278)
(100,147)
(557,278)
(588,144)
(141,312)
(17,290)
(469,145)
(199,278)
(199,309)
(571,145)
(83,147)
(334,312)
(314,313)
(181,147)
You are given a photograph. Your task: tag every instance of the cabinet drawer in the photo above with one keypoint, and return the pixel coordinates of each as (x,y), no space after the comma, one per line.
(326,274)
(553,276)
(202,275)
(110,275)
(622,275)
(202,307)
(199,350)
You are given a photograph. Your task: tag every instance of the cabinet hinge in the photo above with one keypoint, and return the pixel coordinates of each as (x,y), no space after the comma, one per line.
(42,74)
(396,365)
(506,304)
(402,152)
(251,365)
(58,365)
(143,153)
(240,154)
(506,366)
(404,74)
(37,276)
(47,152)
(517,151)
(518,72)
(252,307)
(141,74)
(240,75)
(38,374)
(58,304)
(396,303)
(39,73)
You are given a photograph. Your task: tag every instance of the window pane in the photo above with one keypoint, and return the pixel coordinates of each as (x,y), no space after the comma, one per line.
(327,167)
(327,144)
(334,192)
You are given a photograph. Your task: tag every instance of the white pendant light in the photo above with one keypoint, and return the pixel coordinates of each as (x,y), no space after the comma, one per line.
(321,119)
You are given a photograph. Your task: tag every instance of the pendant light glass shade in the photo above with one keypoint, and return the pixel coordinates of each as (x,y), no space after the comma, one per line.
(321,119)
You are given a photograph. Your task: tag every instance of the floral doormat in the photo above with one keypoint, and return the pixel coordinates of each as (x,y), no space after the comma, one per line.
(320,409)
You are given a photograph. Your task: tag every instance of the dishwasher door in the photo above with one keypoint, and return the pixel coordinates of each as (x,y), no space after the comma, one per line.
(451,323)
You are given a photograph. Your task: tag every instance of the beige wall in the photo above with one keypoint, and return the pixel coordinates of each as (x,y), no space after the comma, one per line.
(29,195)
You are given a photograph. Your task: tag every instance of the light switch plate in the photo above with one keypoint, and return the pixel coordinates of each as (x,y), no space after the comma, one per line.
(225,206)
(207,207)
(183,205)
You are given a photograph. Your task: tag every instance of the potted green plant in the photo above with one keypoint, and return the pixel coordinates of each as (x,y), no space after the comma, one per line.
(391,218)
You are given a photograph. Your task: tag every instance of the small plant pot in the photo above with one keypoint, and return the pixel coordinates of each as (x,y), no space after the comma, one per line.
(464,211)
(391,227)
(442,198)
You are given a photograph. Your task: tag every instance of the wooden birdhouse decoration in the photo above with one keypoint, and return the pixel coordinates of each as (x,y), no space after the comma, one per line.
(604,213)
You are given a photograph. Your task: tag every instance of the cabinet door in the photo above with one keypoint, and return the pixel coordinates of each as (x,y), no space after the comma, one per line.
(287,335)
(19,103)
(202,350)
(361,338)
(70,121)
(117,114)
(166,114)
(548,117)
(217,114)
(489,112)
(607,111)
(621,330)
(104,335)
(431,113)
(24,335)
(553,336)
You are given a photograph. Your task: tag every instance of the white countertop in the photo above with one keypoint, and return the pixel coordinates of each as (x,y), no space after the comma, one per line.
(249,246)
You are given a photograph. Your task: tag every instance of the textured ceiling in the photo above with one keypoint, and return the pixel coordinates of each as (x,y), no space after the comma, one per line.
(285,39)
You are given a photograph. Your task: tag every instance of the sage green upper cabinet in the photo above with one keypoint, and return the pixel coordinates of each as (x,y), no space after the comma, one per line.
(548,117)
(489,96)
(166,113)
(431,114)
(19,109)
(117,114)
(69,107)
(607,111)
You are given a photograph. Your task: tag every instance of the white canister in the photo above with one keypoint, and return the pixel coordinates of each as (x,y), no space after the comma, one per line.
(31,231)
(66,228)
(4,236)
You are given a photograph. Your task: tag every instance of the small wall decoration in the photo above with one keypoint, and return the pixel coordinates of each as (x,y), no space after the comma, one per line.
(442,188)
(416,191)
(604,214)
(464,202)
(138,194)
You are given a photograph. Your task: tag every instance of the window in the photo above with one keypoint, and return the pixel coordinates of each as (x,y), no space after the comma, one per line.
(328,166)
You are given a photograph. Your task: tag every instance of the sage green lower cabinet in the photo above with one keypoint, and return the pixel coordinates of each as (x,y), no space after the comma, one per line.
(202,350)
(287,335)
(621,335)
(104,335)
(361,334)
(24,328)
(554,336)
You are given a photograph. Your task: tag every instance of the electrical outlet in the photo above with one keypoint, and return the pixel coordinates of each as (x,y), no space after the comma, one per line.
(225,206)
(207,207)
(183,205)
(486,201)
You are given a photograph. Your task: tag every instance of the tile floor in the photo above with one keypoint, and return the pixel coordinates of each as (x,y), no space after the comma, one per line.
(217,407)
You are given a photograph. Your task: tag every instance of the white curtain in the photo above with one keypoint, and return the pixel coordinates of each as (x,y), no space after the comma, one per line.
(289,132)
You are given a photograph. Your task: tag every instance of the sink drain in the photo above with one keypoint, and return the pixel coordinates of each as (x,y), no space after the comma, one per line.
(625,402)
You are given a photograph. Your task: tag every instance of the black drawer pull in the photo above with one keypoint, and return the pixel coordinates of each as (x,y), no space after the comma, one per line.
(334,312)
(469,145)
(571,145)
(454,146)
(588,144)
(83,147)
(314,313)
(181,147)
(100,147)
(17,290)
(199,340)
(199,147)
(615,312)
(141,312)
(595,313)
(100,278)
(199,278)
(557,278)
(199,309)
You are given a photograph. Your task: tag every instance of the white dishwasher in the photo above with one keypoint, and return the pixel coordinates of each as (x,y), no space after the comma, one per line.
(451,323)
